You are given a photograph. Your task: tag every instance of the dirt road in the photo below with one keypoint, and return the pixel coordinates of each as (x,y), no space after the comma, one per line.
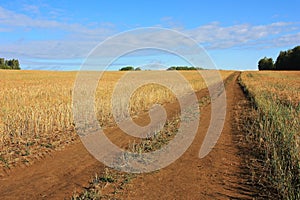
(220,175)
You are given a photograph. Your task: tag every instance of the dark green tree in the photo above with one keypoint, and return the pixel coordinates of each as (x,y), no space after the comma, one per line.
(128,68)
(183,68)
(13,64)
(266,64)
(294,59)
(9,64)
(2,61)
(288,60)
(281,60)
(172,68)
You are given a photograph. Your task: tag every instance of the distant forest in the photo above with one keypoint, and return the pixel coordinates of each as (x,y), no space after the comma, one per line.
(183,68)
(9,64)
(130,68)
(286,60)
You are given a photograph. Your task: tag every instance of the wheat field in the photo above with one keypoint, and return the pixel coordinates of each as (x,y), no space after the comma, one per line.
(36,107)
(274,127)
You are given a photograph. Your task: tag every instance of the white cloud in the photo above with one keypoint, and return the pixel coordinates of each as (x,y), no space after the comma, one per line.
(290,39)
(215,36)
(80,39)
(31,8)
(12,19)
(5,29)
(15,20)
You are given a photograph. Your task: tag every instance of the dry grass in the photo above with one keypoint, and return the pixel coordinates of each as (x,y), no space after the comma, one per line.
(36,107)
(35,114)
(282,87)
(275,128)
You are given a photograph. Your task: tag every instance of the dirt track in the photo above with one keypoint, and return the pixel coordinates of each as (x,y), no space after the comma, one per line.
(220,175)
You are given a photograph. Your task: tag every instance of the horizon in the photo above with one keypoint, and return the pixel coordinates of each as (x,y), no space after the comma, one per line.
(143,70)
(58,36)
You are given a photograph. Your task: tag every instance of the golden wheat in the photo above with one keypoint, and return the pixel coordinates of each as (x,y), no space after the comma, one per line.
(36,107)
(275,128)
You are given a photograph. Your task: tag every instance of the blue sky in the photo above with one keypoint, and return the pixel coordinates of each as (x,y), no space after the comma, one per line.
(59,35)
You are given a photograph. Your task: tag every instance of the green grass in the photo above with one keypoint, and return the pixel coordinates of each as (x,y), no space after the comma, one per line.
(114,180)
(274,130)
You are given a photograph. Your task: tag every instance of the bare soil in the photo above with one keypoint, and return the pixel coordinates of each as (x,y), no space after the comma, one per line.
(222,174)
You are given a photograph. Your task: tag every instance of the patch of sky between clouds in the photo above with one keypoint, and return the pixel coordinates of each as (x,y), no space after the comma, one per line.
(145,59)
(247,59)
(51,64)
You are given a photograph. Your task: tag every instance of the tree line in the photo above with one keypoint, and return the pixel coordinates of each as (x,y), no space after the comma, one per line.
(130,68)
(183,68)
(286,60)
(9,64)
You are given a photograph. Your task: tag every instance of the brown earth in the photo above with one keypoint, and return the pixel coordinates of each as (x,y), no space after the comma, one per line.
(222,174)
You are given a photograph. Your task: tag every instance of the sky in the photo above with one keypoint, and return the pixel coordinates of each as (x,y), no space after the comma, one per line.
(60,35)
